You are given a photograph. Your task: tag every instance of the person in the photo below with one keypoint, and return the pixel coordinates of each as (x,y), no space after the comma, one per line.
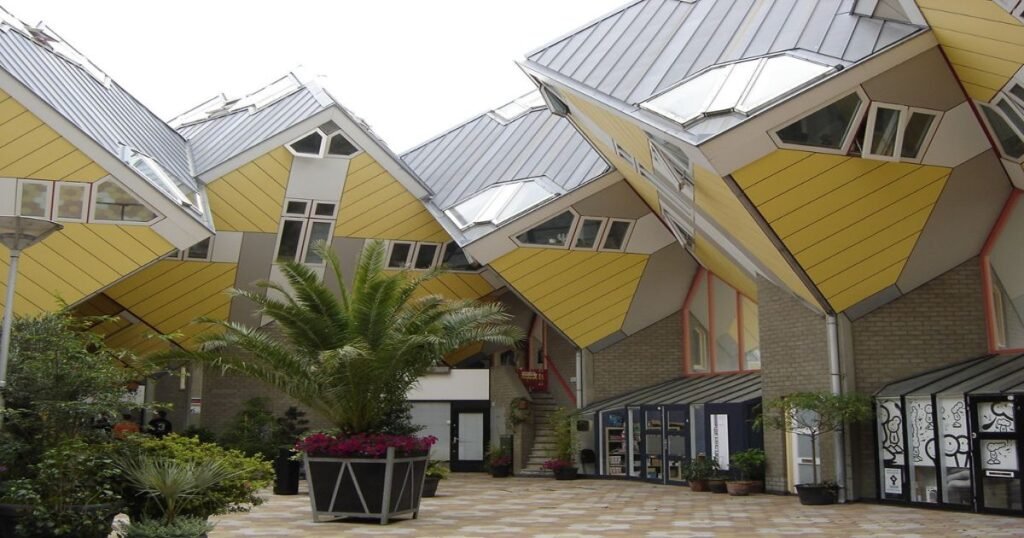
(125,427)
(160,427)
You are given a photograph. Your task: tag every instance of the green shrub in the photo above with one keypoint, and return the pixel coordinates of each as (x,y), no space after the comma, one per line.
(564,431)
(173,486)
(204,435)
(235,494)
(437,469)
(252,430)
(183,527)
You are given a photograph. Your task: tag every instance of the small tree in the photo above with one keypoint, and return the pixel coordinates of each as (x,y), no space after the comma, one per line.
(814,414)
(562,422)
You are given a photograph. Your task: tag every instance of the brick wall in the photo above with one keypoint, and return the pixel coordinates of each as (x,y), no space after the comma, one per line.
(224,394)
(794,357)
(941,322)
(562,353)
(650,356)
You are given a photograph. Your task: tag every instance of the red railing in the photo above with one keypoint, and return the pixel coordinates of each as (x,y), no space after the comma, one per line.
(561,380)
(533,380)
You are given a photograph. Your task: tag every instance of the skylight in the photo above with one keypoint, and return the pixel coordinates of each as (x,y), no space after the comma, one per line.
(519,107)
(163,180)
(740,87)
(499,203)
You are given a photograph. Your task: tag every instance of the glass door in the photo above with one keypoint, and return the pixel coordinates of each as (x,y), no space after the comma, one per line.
(653,461)
(996,432)
(677,441)
(470,426)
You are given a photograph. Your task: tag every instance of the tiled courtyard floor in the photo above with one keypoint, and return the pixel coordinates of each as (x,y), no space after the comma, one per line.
(477,505)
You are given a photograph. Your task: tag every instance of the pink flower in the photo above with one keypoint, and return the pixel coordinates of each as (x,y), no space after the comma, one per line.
(364,445)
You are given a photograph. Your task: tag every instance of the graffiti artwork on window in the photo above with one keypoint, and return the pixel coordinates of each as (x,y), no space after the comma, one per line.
(922,432)
(999,454)
(996,416)
(890,422)
(956,446)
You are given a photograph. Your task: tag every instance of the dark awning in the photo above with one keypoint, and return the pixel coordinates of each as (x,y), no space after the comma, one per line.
(989,374)
(736,388)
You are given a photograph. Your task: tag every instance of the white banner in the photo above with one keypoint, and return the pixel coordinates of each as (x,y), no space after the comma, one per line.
(720,440)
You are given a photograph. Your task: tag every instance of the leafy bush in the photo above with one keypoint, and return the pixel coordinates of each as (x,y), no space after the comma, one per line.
(562,426)
(204,435)
(290,427)
(173,486)
(437,469)
(252,430)
(235,494)
(701,468)
(497,456)
(183,527)
(750,463)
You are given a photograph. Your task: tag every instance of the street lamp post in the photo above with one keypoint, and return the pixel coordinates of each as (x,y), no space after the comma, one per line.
(17,234)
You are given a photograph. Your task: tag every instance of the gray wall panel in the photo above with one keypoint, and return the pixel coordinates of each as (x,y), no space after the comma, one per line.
(254,260)
(662,288)
(902,84)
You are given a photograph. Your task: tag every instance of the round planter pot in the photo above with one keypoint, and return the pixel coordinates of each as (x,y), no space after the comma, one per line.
(717,486)
(699,485)
(501,471)
(817,494)
(566,473)
(739,488)
(430,486)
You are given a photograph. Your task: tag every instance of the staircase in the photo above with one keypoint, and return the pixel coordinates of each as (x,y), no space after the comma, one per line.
(543,405)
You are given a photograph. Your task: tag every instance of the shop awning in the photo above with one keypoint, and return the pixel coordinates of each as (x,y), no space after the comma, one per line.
(687,390)
(989,374)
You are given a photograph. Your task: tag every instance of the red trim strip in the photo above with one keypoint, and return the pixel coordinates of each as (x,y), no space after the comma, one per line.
(694,284)
(561,380)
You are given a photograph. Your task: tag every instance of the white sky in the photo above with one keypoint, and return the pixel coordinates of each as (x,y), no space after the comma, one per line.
(411,68)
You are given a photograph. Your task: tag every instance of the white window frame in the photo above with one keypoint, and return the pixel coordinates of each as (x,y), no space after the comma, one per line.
(991,106)
(579,228)
(95,195)
(280,235)
(568,238)
(48,208)
(304,214)
(932,129)
(870,131)
(307,234)
(624,155)
(625,240)
(705,349)
(209,253)
(408,257)
(86,198)
(314,215)
(858,118)
(416,253)
(323,145)
(327,146)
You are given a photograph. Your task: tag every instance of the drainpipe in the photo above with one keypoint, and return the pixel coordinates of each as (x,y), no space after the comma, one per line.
(839,449)
(579,378)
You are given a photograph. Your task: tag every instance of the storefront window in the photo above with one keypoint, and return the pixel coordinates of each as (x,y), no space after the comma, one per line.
(751,334)
(698,333)
(722,332)
(891,447)
(955,451)
(727,342)
(923,484)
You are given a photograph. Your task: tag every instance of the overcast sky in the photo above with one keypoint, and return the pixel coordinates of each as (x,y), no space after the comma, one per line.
(411,68)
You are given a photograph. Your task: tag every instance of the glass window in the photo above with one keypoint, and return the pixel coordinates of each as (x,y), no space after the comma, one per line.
(780,75)
(499,203)
(1009,140)
(552,233)
(825,128)
(163,179)
(588,232)
(618,231)
(35,199)
(398,258)
(318,231)
(324,210)
(698,330)
(726,337)
(1017,91)
(554,102)
(308,145)
(955,453)
(425,254)
(199,251)
(340,146)
(1005,259)
(293,207)
(454,259)
(289,241)
(924,486)
(687,101)
(918,127)
(751,335)
(1012,113)
(733,86)
(529,195)
(113,203)
(884,131)
(71,201)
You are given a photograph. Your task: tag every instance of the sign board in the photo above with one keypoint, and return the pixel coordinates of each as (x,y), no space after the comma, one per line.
(893,481)
(720,440)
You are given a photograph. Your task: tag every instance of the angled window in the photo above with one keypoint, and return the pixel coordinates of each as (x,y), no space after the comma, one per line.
(499,203)
(296,207)
(34,198)
(554,232)
(318,231)
(554,102)
(163,180)
(884,131)
(587,233)
(617,235)
(71,201)
(624,155)
(289,240)
(199,251)
(339,146)
(324,209)
(399,254)
(829,128)
(921,126)
(311,145)
(426,255)
(1011,140)
(454,259)
(113,203)
(516,108)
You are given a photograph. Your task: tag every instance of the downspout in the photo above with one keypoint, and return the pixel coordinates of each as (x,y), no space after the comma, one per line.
(839,448)
(579,378)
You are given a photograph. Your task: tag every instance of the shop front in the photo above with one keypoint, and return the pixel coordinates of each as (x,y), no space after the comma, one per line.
(952,437)
(650,434)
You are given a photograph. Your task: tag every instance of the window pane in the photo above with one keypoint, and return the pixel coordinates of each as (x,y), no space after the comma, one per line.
(826,128)
(913,137)
(310,145)
(751,335)
(1017,91)
(688,100)
(1012,113)
(726,337)
(587,235)
(1011,143)
(883,138)
(529,195)
(291,234)
(324,210)
(341,146)
(425,256)
(295,208)
(1007,282)
(780,75)
(616,238)
(115,203)
(554,232)
(734,86)
(455,259)
(399,255)
(698,333)
(71,202)
(318,231)
(35,199)
(199,251)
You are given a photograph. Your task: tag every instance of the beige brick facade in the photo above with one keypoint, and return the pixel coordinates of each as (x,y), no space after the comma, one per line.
(650,356)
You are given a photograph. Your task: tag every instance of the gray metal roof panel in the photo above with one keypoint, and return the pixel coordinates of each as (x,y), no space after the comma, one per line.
(216,140)
(651,45)
(484,151)
(736,388)
(986,374)
(106,113)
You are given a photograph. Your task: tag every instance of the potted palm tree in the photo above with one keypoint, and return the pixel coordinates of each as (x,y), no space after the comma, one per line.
(814,414)
(351,357)
(563,465)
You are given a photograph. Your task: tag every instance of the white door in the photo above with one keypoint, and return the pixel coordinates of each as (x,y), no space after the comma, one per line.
(435,418)
(471,436)
(802,457)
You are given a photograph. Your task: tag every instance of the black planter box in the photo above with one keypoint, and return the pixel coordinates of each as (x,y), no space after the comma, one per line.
(817,494)
(364,487)
(286,473)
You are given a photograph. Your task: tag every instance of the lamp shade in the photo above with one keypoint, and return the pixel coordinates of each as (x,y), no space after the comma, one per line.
(19,233)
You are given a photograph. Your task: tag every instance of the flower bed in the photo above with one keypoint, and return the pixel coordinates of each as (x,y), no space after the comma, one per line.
(364,445)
